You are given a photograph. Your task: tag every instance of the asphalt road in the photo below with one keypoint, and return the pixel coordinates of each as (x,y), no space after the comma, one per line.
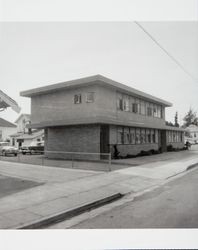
(174,205)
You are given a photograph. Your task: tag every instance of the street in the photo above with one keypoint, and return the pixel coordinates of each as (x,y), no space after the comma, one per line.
(174,205)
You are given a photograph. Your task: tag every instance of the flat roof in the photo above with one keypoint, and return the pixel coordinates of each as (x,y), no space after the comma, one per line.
(96,79)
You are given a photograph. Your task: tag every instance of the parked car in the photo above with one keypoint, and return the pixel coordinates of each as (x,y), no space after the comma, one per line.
(6,149)
(25,150)
(36,148)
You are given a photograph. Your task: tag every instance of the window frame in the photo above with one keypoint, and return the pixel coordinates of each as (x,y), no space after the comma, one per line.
(93,97)
(78,100)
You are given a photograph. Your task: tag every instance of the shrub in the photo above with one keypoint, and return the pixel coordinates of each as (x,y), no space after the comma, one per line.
(170,148)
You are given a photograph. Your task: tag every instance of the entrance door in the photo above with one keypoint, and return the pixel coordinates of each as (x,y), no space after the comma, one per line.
(162,140)
(104,139)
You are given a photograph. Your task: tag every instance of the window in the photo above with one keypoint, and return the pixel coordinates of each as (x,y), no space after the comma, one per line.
(135,107)
(137,136)
(77,98)
(132,135)
(143,136)
(123,102)
(181,136)
(120,136)
(159,111)
(126,136)
(137,101)
(142,108)
(156,136)
(148,136)
(152,136)
(174,136)
(155,110)
(149,111)
(119,102)
(90,97)
(169,136)
(126,103)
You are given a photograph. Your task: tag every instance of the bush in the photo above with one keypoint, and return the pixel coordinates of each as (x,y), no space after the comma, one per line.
(145,153)
(170,148)
(130,156)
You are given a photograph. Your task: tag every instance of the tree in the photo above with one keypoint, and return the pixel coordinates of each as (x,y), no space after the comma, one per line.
(176,120)
(190,118)
(169,124)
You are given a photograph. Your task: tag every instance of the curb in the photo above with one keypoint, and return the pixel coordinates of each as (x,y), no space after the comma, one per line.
(192,166)
(70,213)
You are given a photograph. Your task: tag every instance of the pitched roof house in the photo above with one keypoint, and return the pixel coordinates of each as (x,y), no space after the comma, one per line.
(6,129)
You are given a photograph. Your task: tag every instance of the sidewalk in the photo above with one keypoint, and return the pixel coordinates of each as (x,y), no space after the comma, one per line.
(65,190)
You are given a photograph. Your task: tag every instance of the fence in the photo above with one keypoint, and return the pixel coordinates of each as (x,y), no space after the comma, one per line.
(79,160)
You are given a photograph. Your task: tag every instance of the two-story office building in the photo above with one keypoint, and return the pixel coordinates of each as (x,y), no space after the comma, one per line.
(94,114)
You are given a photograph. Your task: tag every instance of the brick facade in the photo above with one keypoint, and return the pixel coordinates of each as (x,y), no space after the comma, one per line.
(83,138)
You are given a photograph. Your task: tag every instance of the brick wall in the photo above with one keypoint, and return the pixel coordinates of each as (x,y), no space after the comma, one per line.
(84,138)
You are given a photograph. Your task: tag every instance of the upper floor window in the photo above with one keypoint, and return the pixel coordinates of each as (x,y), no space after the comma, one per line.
(126,103)
(77,98)
(149,111)
(90,97)
(155,110)
(119,102)
(138,106)
(135,107)
(142,108)
(123,102)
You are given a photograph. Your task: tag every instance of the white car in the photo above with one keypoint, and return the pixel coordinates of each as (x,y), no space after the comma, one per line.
(5,149)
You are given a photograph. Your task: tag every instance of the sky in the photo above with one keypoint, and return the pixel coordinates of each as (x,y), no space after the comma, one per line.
(34,54)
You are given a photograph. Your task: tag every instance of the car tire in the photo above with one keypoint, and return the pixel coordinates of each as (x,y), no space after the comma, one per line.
(15,154)
(3,153)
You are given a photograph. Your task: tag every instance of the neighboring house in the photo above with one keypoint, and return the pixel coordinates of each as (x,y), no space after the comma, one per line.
(6,129)
(26,136)
(32,139)
(94,114)
(192,133)
(22,121)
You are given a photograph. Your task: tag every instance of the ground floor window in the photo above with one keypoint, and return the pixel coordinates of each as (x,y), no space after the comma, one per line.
(174,136)
(131,135)
(126,135)
(120,136)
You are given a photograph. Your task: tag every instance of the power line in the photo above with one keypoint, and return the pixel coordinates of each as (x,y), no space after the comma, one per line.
(167,53)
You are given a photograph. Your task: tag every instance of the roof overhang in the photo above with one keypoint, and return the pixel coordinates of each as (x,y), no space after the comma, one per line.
(100,120)
(96,79)
(6,101)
